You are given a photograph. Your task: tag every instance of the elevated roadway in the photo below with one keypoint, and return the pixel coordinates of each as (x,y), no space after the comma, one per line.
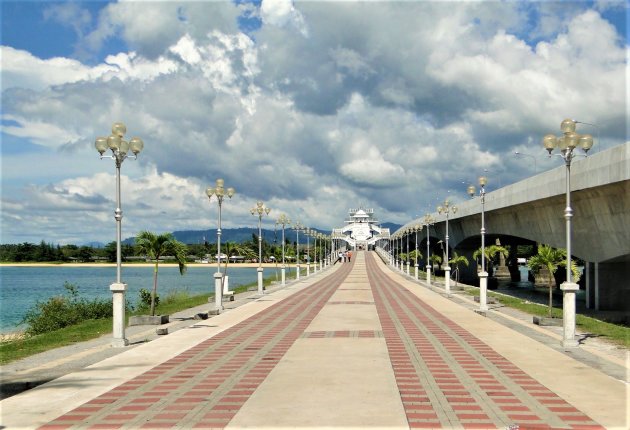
(533,210)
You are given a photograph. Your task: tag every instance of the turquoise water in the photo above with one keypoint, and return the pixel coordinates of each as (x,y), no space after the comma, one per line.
(23,287)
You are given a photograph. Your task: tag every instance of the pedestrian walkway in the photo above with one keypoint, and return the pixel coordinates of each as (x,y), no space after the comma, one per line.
(360,347)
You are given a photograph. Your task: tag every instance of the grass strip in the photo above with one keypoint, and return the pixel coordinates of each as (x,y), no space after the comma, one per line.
(617,334)
(25,347)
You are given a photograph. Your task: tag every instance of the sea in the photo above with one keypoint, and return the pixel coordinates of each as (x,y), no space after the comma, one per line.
(22,287)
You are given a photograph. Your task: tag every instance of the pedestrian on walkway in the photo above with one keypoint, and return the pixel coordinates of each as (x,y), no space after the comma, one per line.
(349,256)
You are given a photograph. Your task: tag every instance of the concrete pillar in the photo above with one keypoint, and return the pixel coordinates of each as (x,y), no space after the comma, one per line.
(218,293)
(118,302)
(596,285)
(447,280)
(483,291)
(260,281)
(429,274)
(568,314)
(416,271)
(587,284)
(284,275)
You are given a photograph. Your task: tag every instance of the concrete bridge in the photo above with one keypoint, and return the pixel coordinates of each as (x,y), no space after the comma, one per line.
(532,210)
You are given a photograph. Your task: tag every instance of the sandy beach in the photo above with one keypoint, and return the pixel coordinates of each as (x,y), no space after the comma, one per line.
(231,265)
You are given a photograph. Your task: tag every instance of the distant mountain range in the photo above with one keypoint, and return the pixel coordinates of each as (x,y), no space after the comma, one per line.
(242,234)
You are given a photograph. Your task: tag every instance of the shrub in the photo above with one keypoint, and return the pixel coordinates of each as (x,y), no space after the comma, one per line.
(145,299)
(62,311)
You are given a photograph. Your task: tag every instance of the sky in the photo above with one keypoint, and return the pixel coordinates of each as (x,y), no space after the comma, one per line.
(313,107)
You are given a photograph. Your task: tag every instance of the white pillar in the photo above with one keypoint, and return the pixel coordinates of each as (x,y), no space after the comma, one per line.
(568,314)
(483,291)
(218,293)
(416,273)
(429,274)
(284,275)
(447,280)
(260,280)
(118,302)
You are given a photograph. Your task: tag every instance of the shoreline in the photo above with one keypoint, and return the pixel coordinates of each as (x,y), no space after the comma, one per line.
(208,265)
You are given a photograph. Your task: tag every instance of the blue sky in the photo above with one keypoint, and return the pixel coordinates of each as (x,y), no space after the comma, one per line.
(313,107)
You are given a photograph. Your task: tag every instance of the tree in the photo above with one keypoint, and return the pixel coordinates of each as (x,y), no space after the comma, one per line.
(232,249)
(415,255)
(155,246)
(436,259)
(491,252)
(456,261)
(551,258)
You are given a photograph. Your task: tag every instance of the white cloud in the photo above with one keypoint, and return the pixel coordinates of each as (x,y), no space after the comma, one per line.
(387,104)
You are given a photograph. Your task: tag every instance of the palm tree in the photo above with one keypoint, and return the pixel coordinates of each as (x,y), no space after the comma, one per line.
(551,258)
(436,259)
(155,246)
(457,260)
(491,253)
(415,255)
(231,249)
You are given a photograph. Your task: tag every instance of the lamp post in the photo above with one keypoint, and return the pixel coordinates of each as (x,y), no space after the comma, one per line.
(283,220)
(483,275)
(407,233)
(307,233)
(447,208)
(219,192)
(120,149)
(428,221)
(566,144)
(259,210)
(416,229)
(517,153)
(320,236)
(297,227)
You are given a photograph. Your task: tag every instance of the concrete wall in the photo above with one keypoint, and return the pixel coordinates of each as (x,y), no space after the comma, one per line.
(534,209)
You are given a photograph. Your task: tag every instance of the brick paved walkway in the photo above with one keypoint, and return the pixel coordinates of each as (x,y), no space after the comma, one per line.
(205,387)
(357,348)
(449,379)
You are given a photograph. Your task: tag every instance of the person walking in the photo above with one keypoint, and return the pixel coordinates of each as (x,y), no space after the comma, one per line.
(349,256)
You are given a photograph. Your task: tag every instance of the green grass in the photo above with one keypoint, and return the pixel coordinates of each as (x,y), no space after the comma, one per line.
(617,334)
(87,330)
(15,350)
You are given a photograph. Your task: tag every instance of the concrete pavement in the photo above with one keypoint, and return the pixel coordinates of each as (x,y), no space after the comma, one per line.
(353,347)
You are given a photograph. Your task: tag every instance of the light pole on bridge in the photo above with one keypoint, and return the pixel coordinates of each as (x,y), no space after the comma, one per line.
(416,228)
(283,220)
(447,208)
(219,192)
(428,221)
(483,275)
(566,144)
(297,227)
(259,210)
(120,149)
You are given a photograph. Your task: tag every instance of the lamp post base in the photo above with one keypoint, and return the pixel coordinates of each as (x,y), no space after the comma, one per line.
(447,280)
(429,275)
(283,271)
(260,281)
(218,293)
(118,304)
(416,271)
(568,314)
(483,291)
(297,271)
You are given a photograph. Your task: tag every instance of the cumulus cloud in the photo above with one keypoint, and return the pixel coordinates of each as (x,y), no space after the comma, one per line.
(324,107)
